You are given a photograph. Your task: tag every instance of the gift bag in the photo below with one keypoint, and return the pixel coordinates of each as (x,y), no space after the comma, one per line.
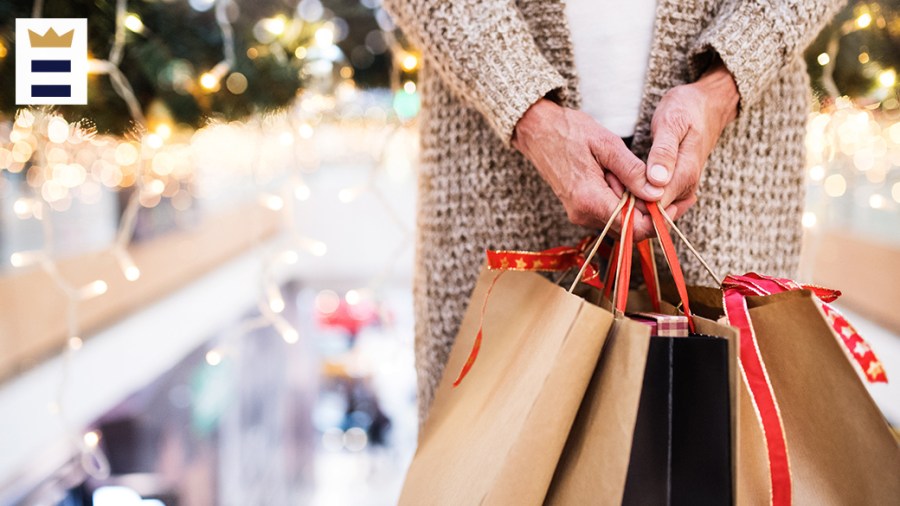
(495,439)
(836,447)
(669,442)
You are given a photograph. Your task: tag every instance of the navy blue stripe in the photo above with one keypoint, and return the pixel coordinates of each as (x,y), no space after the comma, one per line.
(51,66)
(51,90)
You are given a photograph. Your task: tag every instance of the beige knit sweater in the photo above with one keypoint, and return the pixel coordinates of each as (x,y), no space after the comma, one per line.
(487,61)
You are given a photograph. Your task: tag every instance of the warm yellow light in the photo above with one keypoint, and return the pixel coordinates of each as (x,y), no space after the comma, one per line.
(155,141)
(887,78)
(126,154)
(809,219)
(289,335)
(300,52)
(863,57)
(324,36)
(3,50)
(275,25)
(57,130)
(133,23)
(835,185)
(864,20)
(876,201)
(347,72)
(410,62)
(306,131)
(23,258)
(92,439)
(894,133)
(823,59)
(273,202)
(22,207)
(276,304)
(817,173)
(164,130)
(75,343)
(301,192)
(409,87)
(94,289)
(209,81)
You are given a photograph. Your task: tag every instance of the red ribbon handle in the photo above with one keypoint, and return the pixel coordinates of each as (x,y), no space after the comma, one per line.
(662,231)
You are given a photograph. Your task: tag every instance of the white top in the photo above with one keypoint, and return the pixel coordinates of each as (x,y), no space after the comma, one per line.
(612,48)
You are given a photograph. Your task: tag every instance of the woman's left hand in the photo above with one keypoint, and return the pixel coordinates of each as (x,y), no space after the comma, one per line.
(685,128)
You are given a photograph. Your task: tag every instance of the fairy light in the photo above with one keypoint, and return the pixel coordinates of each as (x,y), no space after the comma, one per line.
(887,78)
(209,81)
(823,59)
(91,439)
(134,23)
(273,202)
(864,20)
(809,219)
(409,62)
(214,357)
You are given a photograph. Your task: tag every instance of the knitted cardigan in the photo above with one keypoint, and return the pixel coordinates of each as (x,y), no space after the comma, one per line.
(486,62)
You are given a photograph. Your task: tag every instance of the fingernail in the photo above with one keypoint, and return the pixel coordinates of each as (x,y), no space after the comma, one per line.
(653,192)
(658,173)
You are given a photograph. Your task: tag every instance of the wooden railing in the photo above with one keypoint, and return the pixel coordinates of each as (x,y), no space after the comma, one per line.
(33,312)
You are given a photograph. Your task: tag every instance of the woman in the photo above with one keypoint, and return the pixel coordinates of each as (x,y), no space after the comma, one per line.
(509,160)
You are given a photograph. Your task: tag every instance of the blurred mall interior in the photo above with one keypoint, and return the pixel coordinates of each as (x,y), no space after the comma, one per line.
(206,273)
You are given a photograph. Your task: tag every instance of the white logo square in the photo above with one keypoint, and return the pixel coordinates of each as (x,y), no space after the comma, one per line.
(51,61)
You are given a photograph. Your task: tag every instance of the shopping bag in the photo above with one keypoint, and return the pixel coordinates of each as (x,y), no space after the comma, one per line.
(669,441)
(496,437)
(839,449)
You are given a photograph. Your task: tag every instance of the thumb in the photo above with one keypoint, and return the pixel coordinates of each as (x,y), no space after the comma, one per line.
(664,153)
(614,156)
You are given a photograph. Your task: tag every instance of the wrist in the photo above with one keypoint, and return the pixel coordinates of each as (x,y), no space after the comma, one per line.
(529,125)
(719,84)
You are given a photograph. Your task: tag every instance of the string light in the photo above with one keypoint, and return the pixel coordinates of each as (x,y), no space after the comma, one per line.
(864,20)
(134,23)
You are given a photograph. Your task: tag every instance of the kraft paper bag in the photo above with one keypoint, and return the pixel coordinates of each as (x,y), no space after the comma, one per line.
(593,466)
(839,446)
(497,437)
(598,462)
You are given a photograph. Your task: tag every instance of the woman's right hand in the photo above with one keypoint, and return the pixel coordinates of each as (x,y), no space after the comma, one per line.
(573,153)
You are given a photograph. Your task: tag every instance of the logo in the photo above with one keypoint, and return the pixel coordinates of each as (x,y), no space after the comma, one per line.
(51,61)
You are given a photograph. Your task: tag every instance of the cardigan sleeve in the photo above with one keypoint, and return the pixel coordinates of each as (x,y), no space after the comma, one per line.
(484,52)
(757,38)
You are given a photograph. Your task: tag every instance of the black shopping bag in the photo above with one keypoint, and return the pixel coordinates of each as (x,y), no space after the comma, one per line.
(682,445)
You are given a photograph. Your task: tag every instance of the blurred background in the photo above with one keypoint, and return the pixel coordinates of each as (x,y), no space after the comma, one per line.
(205,273)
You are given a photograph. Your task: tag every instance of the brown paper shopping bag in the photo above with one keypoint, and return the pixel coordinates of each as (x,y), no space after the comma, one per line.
(809,433)
(496,438)
(840,449)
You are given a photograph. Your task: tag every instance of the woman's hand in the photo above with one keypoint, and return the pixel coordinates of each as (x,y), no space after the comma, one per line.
(571,152)
(685,128)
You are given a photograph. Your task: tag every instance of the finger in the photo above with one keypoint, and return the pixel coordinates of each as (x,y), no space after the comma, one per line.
(686,176)
(612,154)
(614,184)
(592,205)
(643,228)
(669,130)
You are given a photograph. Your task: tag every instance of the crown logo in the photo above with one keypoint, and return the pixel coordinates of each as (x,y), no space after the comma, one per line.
(51,39)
